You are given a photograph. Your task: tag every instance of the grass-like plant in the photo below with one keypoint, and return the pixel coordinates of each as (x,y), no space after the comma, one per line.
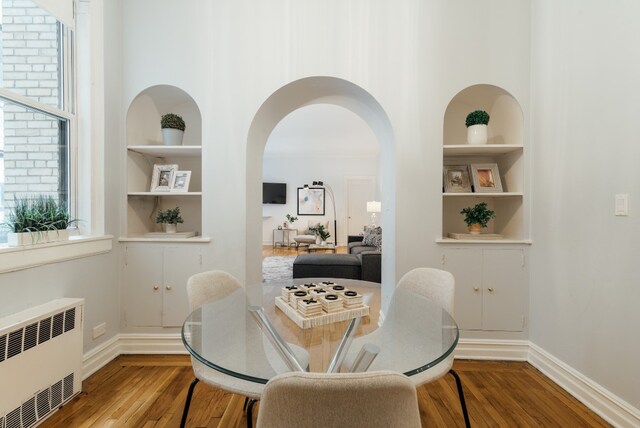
(478,214)
(477,117)
(171,120)
(170,216)
(39,214)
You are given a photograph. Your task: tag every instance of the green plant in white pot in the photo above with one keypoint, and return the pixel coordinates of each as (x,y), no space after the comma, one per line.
(38,220)
(169,219)
(322,233)
(477,122)
(173,127)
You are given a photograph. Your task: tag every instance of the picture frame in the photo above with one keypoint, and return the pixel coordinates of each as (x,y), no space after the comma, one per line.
(486,178)
(311,200)
(456,179)
(181,181)
(162,177)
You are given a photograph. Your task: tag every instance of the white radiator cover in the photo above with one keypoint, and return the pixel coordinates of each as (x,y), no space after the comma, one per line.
(40,361)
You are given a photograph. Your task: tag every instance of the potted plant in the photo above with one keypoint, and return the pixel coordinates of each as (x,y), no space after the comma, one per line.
(477,122)
(38,220)
(291,220)
(477,217)
(322,234)
(173,127)
(169,219)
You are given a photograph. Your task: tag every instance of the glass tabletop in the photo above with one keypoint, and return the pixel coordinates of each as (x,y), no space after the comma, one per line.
(415,334)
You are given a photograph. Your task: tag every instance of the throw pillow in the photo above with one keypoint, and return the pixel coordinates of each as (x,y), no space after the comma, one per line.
(372,237)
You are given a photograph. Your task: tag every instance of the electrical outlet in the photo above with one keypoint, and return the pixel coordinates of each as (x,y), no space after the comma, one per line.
(99,330)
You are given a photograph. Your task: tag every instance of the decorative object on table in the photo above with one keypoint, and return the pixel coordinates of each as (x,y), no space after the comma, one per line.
(477,122)
(173,127)
(456,179)
(323,304)
(374,207)
(180,182)
(38,220)
(162,177)
(322,234)
(291,219)
(477,217)
(169,219)
(486,177)
(310,200)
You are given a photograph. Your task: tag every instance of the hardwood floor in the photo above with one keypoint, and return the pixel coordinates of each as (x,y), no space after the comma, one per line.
(149,391)
(268,250)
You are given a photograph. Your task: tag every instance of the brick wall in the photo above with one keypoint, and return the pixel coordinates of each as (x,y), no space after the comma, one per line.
(30,67)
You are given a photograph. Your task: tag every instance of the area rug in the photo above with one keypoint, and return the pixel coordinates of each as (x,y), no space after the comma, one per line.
(277,268)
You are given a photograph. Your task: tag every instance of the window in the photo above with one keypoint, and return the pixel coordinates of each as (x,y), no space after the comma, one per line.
(37,121)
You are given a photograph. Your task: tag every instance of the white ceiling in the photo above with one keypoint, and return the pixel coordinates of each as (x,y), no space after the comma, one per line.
(322,129)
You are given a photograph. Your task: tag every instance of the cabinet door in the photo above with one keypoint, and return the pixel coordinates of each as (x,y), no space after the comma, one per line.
(179,264)
(503,290)
(142,290)
(466,267)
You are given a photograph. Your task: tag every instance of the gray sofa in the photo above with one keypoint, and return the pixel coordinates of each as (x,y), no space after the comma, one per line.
(361,263)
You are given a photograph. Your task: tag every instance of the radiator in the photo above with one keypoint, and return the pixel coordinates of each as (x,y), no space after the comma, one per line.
(40,361)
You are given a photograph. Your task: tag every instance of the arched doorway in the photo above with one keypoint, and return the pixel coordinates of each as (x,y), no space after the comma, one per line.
(304,92)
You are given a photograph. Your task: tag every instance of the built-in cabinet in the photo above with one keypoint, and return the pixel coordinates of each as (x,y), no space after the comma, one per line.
(505,147)
(154,283)
(145,149)
(491,287)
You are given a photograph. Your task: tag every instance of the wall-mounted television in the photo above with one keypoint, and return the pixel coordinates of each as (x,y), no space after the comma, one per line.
(274,193)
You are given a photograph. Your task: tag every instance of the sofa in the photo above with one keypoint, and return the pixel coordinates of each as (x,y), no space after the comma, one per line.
(363,261)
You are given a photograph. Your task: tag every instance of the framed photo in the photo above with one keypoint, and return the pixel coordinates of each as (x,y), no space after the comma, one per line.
(486,177)
(456,179)
(162,177)
(310,201)
(181,181)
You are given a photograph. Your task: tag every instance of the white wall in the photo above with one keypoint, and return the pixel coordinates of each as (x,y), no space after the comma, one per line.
(584,288)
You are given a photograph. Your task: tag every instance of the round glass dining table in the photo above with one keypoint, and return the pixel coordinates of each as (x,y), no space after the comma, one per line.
(414,335)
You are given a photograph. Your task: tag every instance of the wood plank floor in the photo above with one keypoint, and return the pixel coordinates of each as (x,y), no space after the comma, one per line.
(149,391)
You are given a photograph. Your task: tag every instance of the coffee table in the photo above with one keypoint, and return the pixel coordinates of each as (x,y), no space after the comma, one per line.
(326,247)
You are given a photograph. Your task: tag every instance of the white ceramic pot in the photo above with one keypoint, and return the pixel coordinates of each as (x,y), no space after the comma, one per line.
(477,134)
(318,240)
(170,228)
(172,137)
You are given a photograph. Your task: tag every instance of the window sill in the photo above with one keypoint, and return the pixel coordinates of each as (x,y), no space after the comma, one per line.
(29,256)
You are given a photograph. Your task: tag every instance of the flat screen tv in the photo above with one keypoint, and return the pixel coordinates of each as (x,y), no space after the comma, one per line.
(274,193)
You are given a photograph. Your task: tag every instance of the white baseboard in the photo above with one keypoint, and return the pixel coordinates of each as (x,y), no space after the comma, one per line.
(610,407)
(606,404)
(487,349)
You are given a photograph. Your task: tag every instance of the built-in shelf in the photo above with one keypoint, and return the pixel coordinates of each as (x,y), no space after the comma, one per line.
(485,195)
(483,241)
(480,149)
(164,194)
(194,240)
(166,151)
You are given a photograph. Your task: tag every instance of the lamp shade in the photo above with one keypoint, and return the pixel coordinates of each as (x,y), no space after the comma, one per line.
(374,207)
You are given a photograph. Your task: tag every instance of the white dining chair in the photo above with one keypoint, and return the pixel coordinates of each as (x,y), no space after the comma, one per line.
(354,400)
(435,285)
(207,287)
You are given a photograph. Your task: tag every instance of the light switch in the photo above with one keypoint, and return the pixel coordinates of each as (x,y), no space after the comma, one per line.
(622,204)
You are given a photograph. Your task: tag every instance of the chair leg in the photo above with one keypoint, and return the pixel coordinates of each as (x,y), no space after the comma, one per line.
(187,403)
(250,413)
(461,395)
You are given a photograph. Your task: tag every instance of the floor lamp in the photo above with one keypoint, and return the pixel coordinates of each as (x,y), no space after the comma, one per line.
(333,203)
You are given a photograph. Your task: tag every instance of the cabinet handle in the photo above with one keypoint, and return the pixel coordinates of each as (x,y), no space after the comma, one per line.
(155,287)
(476,288)
(168,287)
(490,289)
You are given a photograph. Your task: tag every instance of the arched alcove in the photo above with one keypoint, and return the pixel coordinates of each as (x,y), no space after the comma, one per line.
(504,148)
(304,92)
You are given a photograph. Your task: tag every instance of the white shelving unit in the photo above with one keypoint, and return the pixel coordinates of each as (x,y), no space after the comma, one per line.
(505,147)
(145,149)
